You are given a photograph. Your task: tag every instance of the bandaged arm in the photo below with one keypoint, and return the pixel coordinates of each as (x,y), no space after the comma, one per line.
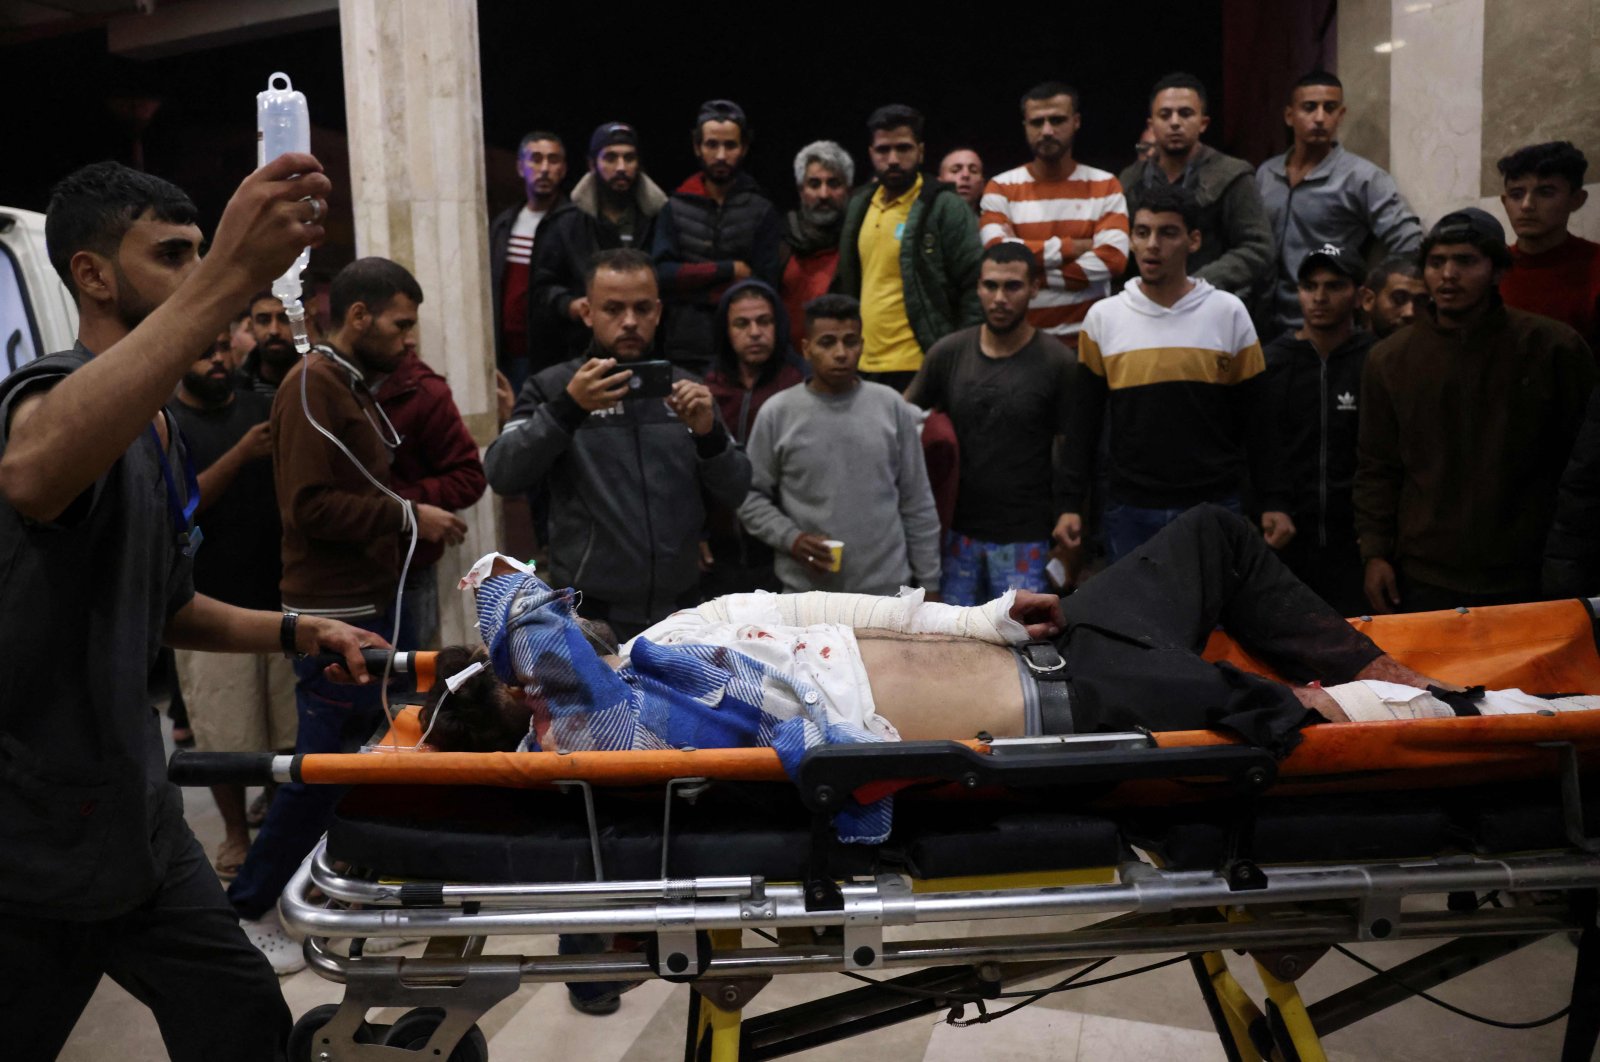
(907,613)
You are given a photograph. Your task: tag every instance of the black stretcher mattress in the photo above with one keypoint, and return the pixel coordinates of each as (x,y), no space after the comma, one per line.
(494,835)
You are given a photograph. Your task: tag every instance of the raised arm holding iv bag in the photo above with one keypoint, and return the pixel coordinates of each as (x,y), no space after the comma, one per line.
(283,124)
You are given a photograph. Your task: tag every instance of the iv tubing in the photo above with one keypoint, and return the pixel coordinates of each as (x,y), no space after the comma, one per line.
(410,524)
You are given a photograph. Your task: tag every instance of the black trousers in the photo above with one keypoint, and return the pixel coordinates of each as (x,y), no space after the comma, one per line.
(181,953)
(897,380)
(1334,572)
(1418,596)
(1134,634)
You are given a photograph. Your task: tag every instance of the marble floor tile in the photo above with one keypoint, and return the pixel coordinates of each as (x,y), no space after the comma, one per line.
(1032,1034)
(1105,1039)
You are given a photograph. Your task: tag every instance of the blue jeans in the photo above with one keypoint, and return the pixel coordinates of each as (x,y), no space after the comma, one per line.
(333,718)
(419,611)
(1130,526)
(974,571)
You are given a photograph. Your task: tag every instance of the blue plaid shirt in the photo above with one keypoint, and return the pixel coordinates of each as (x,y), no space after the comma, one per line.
(666,697)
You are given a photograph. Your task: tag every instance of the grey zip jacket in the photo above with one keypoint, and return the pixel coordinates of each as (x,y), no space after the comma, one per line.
(625,485)
(1345,201)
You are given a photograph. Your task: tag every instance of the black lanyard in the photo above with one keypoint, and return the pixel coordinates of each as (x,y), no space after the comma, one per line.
(182,510)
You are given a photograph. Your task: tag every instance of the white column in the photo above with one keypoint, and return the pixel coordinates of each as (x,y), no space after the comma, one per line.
(1439,56)
(1436,104)
(414,114)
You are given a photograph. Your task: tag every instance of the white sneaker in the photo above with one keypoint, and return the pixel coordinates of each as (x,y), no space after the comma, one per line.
(384,945)
(285,954)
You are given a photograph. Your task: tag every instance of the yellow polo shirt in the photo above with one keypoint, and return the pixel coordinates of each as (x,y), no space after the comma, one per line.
(887,342)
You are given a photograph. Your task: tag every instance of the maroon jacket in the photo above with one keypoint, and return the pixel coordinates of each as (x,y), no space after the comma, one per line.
(437,462)
(739,405)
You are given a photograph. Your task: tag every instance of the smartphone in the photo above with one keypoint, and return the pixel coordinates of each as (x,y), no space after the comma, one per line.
(650,379)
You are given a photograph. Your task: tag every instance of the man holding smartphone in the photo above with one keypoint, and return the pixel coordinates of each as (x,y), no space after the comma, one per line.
(625,447)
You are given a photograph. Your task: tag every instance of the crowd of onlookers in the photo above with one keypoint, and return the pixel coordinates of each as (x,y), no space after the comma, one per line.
(930,379)
(927,379)
(1083,356)
(922,379)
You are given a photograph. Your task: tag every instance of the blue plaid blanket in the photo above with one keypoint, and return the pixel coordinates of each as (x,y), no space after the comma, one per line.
(666,697)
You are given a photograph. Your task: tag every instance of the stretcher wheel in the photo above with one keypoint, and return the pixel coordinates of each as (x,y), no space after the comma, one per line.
(303,1046)
(413,1029)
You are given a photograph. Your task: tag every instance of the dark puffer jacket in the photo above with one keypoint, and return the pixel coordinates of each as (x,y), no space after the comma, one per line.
(625,490)
(697,241)
(568,238)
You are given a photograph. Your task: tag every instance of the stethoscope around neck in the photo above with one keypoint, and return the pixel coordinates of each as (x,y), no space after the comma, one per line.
(390,438)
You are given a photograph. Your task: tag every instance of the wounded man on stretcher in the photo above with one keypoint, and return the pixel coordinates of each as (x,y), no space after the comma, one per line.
(795,670)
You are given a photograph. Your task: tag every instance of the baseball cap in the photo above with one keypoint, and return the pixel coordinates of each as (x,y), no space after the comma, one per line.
(611,133)
(1332,256)
(1468,225)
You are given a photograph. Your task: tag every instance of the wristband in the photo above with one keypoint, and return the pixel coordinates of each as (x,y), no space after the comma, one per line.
(286,633)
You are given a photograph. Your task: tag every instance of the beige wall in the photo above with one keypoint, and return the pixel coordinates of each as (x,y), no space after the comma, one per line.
(1458,83)
(1541,79)
(415,115)
(1363,25)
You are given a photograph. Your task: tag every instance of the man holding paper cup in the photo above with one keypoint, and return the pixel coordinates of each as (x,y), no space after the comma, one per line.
(839,489)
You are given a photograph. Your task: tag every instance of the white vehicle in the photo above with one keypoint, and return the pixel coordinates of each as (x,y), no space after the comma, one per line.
(37,314)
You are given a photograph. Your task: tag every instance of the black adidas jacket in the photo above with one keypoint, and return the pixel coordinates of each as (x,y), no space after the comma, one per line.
(1314,409)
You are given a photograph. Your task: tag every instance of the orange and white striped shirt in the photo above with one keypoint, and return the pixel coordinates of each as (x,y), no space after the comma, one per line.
(1047,216)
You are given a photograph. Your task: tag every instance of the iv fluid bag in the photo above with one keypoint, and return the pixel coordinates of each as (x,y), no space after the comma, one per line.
(282,121)
(283,124)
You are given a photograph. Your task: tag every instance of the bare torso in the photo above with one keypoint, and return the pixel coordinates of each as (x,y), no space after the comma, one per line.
(930,686)
(933,686)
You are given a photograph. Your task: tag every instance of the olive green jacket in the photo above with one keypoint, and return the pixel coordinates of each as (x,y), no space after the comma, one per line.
(939,257)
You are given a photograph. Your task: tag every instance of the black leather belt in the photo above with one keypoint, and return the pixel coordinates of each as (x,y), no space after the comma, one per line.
(1049,672)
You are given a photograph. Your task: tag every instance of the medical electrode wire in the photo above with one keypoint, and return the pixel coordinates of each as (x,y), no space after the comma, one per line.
(405,509)
(434,718)
(1027,996)
(1389,975)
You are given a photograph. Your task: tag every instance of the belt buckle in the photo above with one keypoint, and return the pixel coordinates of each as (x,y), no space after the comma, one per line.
(1051,661)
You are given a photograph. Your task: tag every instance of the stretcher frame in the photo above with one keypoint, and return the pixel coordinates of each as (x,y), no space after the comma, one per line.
(702,930)
(699,929)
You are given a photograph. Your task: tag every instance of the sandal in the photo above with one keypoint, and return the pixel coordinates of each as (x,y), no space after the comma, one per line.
(256,813)
(230,857)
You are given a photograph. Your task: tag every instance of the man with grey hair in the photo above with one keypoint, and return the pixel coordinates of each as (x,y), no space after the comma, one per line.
(823,174)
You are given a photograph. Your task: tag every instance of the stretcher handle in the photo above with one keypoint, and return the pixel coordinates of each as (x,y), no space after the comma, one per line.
(411,670)
(193,769)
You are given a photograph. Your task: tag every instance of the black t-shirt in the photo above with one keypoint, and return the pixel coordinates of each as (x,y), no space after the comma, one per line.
(88,820)
(240,560)
(1008,414)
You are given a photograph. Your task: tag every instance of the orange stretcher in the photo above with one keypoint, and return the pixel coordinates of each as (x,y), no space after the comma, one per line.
(1541,648)
(1191,843)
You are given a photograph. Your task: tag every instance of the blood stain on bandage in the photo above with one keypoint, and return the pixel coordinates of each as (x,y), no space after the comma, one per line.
(799,646)
(827,651)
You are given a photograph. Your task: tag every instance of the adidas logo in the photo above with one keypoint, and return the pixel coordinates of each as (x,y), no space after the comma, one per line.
(1347,403)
